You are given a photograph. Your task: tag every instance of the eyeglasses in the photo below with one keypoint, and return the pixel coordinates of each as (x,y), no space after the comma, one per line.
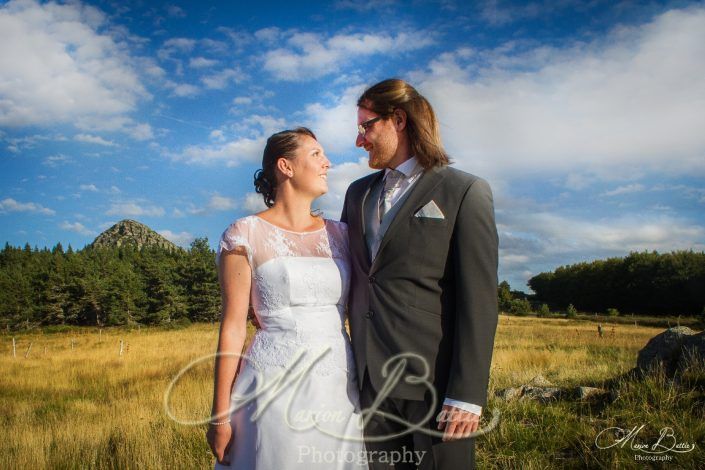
(363,126)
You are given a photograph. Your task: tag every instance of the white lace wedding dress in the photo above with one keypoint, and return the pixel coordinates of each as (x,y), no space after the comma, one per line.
(295,397)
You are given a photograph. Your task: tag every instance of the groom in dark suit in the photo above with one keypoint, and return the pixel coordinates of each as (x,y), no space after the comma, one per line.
(424,251)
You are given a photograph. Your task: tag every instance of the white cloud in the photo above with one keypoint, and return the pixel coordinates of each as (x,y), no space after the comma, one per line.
(31,141)
(631,101)
(56,160)
(247,148)
(268,35)
(57,66)
(175,45)
(363,5)
(176,11)
(141,132)
(541,240)
(182,90)
(88,187)
(496,15)
(77,227)
(221,203)
(310,56)
(629,188)
(11,205)
(201,62)
(217,135)
(335,125)
(242,100)
(578,181)
(182,239)
(213,46)
(133,209)
(253,203)
(222,79)
(150,67)
(216,203)
(93,139)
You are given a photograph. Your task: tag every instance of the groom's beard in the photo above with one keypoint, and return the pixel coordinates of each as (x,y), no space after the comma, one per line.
(383,151)
(381,154)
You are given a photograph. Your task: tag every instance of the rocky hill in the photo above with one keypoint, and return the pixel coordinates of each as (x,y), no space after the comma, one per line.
(131,232)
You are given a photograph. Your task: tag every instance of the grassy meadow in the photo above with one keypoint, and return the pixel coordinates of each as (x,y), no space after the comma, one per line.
(75,402)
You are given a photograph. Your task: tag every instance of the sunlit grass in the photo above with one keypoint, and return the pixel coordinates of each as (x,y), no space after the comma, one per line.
(86,406)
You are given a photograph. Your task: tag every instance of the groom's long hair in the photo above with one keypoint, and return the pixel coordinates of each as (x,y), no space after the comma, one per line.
(421,123)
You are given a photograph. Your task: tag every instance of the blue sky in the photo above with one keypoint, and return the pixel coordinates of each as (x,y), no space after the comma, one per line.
(587,118)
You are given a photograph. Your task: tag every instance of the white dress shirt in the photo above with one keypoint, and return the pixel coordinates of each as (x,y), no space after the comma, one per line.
(412,171)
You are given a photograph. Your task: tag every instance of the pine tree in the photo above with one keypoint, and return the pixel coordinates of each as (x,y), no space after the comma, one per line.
(201,281)
(164,302)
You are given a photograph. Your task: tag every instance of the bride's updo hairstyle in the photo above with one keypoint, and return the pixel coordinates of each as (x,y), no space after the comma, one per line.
(280,145)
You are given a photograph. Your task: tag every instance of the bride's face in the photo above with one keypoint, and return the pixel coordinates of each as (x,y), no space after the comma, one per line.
(310,167)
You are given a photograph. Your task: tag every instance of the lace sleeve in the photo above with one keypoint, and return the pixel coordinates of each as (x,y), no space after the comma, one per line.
(340,243)
(236,236)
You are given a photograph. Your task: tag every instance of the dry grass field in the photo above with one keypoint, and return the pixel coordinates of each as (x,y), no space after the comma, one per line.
(75,402)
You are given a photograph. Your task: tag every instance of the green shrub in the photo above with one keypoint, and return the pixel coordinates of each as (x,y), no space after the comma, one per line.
(571,312)
(543,311)
(612,312)
(520,307)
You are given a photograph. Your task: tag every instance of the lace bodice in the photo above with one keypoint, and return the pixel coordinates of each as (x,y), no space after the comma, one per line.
(264,241)
(300,283)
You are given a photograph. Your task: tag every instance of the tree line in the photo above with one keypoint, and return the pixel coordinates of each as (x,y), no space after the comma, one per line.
(101,286)
(647,283)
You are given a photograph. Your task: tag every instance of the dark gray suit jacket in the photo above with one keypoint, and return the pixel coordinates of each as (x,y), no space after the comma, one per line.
(431,290)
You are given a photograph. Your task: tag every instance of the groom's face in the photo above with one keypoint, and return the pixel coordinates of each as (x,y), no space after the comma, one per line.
(380,139)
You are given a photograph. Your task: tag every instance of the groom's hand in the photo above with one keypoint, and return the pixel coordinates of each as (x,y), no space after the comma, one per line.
(458,424)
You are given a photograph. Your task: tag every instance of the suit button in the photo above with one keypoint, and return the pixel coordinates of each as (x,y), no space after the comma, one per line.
(372,279)
(370,314)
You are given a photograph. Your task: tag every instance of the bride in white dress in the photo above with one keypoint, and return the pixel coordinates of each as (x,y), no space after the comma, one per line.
(292,401)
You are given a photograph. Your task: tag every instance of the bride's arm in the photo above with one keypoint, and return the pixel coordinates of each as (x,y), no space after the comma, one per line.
(235,280)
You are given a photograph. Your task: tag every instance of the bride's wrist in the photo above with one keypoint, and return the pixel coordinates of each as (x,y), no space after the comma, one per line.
(219,423)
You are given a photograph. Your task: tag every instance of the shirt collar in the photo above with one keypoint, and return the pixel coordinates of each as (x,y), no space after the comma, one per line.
(408,168)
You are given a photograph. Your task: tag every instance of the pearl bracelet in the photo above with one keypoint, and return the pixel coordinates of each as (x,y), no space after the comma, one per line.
(219,423)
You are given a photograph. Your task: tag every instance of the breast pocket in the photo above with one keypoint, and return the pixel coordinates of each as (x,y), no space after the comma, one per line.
(429,221)
(428,239)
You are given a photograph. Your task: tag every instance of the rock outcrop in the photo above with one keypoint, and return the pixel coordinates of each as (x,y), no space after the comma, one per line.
(130,232)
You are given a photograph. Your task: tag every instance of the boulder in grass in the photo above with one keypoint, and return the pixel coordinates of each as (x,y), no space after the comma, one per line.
(543,394)
(693,350)
(511,393)
(664,350)
(540,381)
(585,393)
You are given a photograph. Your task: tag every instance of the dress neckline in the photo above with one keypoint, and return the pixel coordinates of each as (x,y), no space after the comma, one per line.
(291,231)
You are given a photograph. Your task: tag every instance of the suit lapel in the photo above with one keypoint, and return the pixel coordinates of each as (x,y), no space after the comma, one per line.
(426,183)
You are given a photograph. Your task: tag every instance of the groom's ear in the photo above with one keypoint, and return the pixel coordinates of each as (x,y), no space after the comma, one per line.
(399,119)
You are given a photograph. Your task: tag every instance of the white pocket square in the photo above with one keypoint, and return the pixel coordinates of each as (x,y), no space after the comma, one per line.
(430,211)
